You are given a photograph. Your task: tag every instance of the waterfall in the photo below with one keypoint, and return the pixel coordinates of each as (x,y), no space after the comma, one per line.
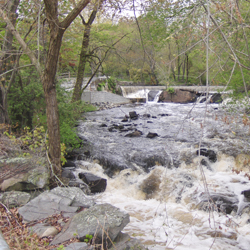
(156,99)
(204,98)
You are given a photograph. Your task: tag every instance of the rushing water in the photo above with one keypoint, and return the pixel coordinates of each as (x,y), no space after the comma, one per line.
(168,204)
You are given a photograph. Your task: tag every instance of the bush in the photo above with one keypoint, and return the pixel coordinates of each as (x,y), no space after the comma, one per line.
(170,90)
(27,107)
(101,86)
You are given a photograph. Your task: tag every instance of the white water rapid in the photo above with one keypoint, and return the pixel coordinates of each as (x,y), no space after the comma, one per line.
(168,204)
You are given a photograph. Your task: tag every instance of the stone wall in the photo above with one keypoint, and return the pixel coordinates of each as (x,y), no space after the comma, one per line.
(102,96)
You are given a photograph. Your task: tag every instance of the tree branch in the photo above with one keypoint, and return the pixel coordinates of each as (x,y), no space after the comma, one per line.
(24,46)
(73,14)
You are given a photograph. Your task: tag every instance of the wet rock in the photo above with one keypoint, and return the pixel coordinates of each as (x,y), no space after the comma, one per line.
(111,163)
(125,120)
(148,161)
(151,185)
(210,154)
(15,199)
(242,162)
(98,221)
(133,115)
(69,164)
(246,194)
(80,184)
(225,203)
(216,98)
(180,96)
(136,133)
(103,125)
(124,241)
(67,173)
(152,94)
(206,164)
(152,135)
(95,183)
(146,115)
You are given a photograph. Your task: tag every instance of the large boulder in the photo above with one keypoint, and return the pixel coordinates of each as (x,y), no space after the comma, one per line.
(124,241)
(24,174)
(179,96)
(60,200)
(104,222)
(15,198)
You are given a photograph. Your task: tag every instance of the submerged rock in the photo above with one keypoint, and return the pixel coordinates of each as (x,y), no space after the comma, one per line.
(151,185)
(210,154)
(133,115)
(246,194)
(225,203)
(136,133)
(152,135)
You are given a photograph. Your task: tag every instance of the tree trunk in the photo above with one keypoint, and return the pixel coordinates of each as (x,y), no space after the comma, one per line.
(57,30)
(5,82)
(49,87)
(82,63)
(83,55)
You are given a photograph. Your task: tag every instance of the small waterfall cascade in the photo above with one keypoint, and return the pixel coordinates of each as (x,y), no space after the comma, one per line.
(156,99)
(203,98)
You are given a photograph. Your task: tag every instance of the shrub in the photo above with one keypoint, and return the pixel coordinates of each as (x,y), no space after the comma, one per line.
(170,90)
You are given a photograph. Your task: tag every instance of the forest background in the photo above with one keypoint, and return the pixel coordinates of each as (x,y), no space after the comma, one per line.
(153,42)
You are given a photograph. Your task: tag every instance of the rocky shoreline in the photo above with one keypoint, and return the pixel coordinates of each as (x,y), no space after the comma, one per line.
(62,214)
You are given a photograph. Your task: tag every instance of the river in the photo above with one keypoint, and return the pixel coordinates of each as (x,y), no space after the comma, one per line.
(176,198)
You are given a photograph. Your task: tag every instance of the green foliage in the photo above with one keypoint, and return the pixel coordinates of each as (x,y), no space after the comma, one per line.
(26,98)
(69,114)
(33,141)
(112,84)
(61,247)
(170,90)
(88,238)
(27,108)
(101,86)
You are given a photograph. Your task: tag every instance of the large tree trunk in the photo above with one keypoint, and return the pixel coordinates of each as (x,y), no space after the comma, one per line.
(49,87)
(57,30)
